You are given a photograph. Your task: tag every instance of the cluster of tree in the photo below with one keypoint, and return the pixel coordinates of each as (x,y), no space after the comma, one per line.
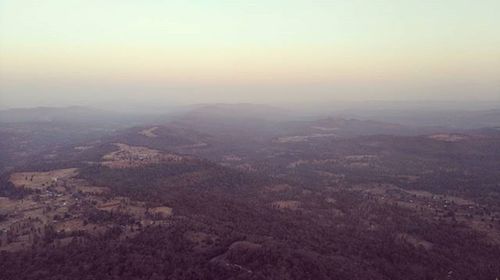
(95,216)
(289,251)
(7,189)
(157,182)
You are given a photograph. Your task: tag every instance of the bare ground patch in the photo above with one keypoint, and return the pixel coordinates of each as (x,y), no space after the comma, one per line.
(303,138)
(278,188)
(415,241)
(162,211)
(41,180)
(448,137)
(286,204)
(134,156)
(149,132)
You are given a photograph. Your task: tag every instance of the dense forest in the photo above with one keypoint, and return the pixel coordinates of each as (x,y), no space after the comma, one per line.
(246,239)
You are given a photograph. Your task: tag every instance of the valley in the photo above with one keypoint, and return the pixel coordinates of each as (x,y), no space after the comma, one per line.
(217,200)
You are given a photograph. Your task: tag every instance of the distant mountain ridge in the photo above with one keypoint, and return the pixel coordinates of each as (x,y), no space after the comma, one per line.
(72,114)
(238,111)
(457,119)
(49,114)
(257,114)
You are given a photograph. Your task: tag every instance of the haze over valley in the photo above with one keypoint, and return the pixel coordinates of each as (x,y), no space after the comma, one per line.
(249,140)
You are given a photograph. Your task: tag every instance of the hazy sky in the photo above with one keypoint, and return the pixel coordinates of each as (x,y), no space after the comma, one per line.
(59,52)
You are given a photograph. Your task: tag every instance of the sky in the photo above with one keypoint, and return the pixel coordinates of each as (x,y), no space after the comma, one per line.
(69,52)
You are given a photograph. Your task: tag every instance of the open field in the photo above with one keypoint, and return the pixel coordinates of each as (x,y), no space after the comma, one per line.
(41,180)
(304,138)
(448,137)
(162,211)
(150,132)
(133,156)
(68,207)
(286,204)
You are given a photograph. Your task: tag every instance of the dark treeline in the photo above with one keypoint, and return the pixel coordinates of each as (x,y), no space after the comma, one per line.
(356,238)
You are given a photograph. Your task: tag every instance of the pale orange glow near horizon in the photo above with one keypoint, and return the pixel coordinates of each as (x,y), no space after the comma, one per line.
(328,49)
